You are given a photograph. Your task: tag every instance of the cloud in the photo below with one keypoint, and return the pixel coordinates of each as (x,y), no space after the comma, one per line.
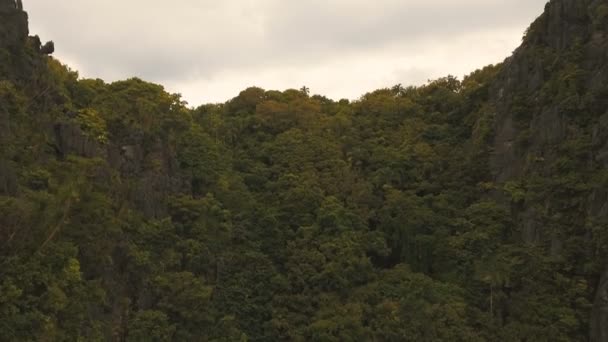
(209,50)
(357,23)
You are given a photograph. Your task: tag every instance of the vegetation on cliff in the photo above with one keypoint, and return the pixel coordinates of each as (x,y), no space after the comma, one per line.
(461,210)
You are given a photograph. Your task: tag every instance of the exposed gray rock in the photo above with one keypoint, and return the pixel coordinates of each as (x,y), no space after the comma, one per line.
(526,140)
(550,126)
(14,31)
(8,179)
(5,127)
(599,321)
(530,233)
(70,139)
(47,48)
(7,5)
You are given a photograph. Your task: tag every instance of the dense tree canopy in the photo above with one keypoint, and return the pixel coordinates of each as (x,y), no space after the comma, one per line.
(284,216)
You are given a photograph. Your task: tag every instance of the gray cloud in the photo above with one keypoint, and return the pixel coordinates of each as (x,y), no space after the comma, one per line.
(357,24)
(194,43)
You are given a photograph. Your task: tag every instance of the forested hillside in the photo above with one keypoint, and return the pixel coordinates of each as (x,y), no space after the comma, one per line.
(461,210)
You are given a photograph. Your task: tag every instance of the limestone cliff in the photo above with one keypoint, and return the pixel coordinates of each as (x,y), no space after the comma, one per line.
(14,32)
(551,100)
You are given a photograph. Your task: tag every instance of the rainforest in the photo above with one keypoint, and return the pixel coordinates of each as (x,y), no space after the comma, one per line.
(471,209)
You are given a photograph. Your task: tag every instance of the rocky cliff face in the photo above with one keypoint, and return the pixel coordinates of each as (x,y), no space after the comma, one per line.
(15,30)
(599,322)
(568,27)
(552,118)
(26,75)
(13,37)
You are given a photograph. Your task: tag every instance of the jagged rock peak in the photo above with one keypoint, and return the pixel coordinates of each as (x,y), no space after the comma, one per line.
(565,22)
(13,24)
(14,28)
(11,5)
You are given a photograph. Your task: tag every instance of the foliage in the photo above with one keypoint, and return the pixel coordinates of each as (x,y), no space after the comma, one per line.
(281,216)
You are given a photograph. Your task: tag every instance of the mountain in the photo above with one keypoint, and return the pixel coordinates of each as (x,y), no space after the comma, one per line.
(461,210)
(551,136)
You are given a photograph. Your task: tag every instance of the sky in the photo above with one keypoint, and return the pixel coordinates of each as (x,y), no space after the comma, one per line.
(210,50)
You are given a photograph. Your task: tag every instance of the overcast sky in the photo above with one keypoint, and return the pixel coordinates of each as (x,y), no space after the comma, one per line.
(210,50)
